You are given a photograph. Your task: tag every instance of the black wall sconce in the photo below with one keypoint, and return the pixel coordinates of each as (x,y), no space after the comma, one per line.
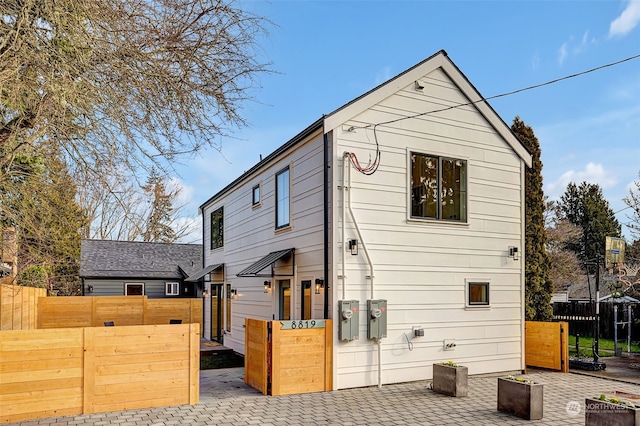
(267,286)
(353,247)
(90,288)
(513,252)
(319,285)
(234,293)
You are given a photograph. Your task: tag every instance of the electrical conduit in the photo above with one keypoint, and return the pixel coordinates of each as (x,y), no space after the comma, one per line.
(346,205)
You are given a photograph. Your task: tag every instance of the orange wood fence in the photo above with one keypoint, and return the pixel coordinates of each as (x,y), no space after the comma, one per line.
(295,357)
(18,306)
(69,371)
(93,311)
(547,345)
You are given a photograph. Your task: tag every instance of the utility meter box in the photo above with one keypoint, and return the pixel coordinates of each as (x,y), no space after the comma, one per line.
(348,314)
(376,319)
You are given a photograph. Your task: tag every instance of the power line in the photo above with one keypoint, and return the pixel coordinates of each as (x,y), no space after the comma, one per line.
(513,92)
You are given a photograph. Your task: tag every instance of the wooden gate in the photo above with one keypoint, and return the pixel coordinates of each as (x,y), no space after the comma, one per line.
(547,345)
(289,357)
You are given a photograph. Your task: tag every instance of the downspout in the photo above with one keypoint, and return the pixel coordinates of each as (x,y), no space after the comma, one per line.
(326,222)
(523,231)
(346,205)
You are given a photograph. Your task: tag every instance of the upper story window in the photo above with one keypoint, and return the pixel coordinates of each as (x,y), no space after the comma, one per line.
(255,195)
(282,199)
(438,188)
(217,228)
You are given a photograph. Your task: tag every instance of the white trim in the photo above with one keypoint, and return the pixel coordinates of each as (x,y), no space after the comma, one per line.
(171,288)
(407,81)
(126,287)
(467,283)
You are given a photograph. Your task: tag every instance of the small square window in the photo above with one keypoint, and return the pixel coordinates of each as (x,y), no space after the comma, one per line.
(173,289)
(477,293)
(255,195)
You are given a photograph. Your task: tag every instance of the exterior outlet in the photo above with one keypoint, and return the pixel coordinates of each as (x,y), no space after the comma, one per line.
(449,345)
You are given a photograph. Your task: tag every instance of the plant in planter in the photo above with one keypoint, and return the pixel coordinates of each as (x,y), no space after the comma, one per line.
(450,379)
(603,410)
(520,397)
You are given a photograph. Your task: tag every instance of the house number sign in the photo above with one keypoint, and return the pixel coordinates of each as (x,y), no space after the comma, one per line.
(295,324)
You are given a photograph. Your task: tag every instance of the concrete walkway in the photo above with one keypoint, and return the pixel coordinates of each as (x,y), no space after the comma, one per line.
(226,400)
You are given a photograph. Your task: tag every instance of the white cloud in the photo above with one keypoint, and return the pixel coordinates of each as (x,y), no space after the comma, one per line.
(592,173)
(627,21)
(562,54)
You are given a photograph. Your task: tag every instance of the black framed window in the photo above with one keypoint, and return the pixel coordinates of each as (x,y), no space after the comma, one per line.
(438,188)
(217,228)
(255,195)
(477,293)
(282,199)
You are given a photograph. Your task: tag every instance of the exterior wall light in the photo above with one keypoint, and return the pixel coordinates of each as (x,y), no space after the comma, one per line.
(513,253)
(319,285)
(267,286)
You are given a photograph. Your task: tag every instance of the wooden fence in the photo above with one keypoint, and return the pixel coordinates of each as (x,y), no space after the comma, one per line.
(69,371)
(289,357)
(94,311)
(18,306)
(547,345)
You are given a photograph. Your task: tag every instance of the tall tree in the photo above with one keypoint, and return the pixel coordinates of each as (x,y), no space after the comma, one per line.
(586,207)
(38,199)
(538,284)
(633,201)
(135,83)
(158,223)
(565,266)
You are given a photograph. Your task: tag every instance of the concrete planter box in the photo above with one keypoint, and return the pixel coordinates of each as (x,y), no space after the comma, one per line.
(601,413)
(449,380)
(524,400)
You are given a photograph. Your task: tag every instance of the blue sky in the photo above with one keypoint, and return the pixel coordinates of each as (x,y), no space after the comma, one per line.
(326,53)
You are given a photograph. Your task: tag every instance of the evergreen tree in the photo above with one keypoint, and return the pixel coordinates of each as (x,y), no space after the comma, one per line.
(586,207)
(538,284)
(37,197)
(159,219)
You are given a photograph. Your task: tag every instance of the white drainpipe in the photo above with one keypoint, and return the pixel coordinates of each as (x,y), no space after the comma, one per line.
(346,205)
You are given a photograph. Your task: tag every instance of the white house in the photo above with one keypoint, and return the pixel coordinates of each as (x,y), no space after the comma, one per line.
(411,195)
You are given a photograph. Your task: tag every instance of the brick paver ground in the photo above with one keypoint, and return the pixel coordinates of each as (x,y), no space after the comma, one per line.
(226,400)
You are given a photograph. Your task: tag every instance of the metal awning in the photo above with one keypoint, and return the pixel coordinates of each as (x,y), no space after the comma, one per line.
(204,271)
(268,260)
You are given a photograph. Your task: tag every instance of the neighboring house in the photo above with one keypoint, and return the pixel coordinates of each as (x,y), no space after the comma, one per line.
(117,268)
(411,195)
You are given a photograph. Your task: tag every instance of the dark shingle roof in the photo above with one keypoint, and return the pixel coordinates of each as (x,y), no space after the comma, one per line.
(134,259)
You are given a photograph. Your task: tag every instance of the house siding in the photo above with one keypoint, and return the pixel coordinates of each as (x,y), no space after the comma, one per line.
(250,234)
(153,289)
(420,266)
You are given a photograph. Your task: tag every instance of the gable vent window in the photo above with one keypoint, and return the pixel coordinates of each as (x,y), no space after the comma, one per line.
(173,289)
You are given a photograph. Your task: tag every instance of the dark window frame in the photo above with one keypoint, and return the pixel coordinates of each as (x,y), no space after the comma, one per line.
(421,192)
(484,299)
(217,228)
(254,190)
(288,199)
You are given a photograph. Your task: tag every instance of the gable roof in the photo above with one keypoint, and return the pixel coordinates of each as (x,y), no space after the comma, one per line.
(135,259)
(331,121)
(438,60)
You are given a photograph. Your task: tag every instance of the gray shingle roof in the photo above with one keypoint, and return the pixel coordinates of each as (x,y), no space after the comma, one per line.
(134,259)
